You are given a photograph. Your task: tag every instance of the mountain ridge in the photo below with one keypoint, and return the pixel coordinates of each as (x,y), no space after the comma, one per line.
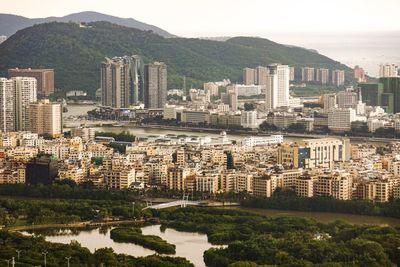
(9,23)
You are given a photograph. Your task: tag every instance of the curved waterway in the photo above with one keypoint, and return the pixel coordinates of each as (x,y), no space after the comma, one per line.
(188,245)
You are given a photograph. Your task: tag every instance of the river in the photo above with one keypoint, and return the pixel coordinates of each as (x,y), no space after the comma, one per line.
(188,245)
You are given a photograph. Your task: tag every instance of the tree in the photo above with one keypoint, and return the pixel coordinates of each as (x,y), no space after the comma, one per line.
(249,106)
(265,126)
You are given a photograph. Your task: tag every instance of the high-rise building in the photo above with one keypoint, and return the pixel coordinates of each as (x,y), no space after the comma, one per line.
(277,88)
(322,76)
(155,93)
(7,105)
(249,76)
(307,74)
(122,81)
(359,74)
(25,93)
(338,77)
(291,73)
(44,79)
(261,75)
(45,118)
(388,70)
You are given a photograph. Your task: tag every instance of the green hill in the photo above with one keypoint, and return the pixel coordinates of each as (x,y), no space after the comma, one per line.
(75,53)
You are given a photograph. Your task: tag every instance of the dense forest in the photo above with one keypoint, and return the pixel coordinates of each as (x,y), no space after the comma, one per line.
(256,240)
(76,53)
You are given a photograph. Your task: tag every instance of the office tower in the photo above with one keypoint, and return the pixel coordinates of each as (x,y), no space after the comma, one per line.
(371,93)
(44,78)
(359,74)
(7,105)
(155,93)
(41,170)
(25,93)
(338,77)
(277,88)
(322,76)
(307,74)
(249,76)
(122,81)
(261,75)
(388,70)
(291,75)
(391,92)
(2,38)
(329,101)
(340,119)
(45,118)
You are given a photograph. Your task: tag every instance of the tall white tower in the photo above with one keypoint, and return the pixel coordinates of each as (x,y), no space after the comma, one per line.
(277,87)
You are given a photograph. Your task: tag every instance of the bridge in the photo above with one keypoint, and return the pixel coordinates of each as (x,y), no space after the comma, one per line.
(184,202)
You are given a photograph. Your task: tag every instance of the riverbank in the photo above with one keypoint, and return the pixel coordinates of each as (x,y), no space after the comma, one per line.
(77,225)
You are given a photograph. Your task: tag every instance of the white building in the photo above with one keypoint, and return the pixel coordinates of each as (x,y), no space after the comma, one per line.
(7,105)
(25,93)
(251,141)
(248,119)
(246,90)
(277,87)
(374,123)
(388,70)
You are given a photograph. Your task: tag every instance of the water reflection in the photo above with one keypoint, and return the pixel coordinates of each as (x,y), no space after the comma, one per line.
(188,245)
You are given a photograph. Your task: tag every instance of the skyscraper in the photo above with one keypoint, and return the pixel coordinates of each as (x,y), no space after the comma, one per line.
(338,77)
(7,105)
(277,89)
(25,93)
(291,71)
(322,76)
(249,76)
(307,74)
(122,81)
(155,93)
(44,78)
(261,75)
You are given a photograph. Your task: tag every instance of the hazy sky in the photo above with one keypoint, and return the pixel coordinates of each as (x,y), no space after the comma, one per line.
(191,18)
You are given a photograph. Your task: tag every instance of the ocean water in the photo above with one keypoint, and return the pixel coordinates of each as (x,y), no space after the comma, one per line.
(367,50)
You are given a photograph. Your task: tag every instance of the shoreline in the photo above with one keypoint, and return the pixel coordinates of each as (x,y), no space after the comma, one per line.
(77,225)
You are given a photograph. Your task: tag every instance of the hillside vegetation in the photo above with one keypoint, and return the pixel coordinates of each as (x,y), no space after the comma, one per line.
(76,53)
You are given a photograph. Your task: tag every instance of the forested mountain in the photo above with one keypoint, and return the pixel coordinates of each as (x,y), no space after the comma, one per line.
(75,52)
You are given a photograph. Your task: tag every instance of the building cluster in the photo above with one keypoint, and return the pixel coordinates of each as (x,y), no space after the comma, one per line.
(20,109)
(323,76)
(258,165)
(127,81)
